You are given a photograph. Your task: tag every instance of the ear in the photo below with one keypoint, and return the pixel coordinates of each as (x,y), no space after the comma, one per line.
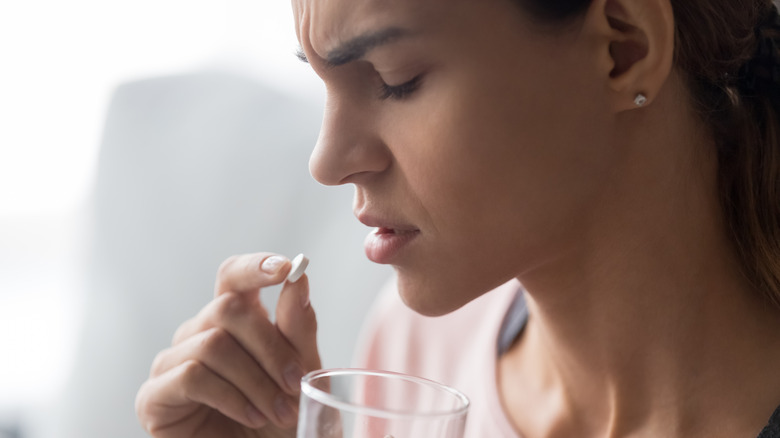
(636,38)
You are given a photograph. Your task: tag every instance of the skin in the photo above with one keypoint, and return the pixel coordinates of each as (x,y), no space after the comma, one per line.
(468,190)
(225,373)
(522,155)
(519,153)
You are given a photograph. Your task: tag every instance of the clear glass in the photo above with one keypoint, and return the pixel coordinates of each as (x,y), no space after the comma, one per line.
(351,403)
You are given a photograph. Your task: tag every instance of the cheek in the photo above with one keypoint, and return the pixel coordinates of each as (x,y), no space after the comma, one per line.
(506,173)
(481,157)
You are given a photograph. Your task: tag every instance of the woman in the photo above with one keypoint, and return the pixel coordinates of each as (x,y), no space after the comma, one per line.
(618,158)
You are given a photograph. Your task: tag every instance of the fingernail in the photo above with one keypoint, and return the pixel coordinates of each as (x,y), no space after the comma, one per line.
(273,264)
(255,417)
(284,409)
(292,377)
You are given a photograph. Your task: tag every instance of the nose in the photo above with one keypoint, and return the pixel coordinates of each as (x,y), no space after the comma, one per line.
(348,148)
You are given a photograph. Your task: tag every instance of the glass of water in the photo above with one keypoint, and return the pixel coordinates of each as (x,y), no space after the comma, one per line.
(352,403)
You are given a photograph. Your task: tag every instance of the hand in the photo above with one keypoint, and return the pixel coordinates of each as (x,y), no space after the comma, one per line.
(231,372)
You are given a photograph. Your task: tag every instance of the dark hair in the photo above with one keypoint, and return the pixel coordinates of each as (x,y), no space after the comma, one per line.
(554,10)
(714,43)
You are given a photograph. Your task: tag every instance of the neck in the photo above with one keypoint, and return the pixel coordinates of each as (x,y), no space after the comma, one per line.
(645,322)
(673,343)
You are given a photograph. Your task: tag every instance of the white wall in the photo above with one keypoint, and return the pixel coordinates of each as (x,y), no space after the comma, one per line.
(61,60)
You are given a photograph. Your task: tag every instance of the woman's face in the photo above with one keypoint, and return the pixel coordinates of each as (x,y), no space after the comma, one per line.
(476,142)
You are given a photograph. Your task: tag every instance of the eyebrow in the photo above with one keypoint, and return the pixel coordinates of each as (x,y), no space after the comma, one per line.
(357,47)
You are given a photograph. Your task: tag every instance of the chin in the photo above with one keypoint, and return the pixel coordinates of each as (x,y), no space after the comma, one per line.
(434,292)
(431,299)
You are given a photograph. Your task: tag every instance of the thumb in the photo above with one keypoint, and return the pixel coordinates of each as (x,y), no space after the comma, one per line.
(297,322)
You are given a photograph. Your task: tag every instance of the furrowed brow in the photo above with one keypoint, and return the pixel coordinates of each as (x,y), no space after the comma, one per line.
(357,47)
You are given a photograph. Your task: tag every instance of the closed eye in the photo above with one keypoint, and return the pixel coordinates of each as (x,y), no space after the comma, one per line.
(402,91)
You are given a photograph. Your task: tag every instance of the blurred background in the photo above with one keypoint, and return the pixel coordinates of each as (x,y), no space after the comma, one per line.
(141,143)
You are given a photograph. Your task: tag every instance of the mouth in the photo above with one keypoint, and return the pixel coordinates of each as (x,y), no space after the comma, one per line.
(386,226)
(388,243)
(395,231)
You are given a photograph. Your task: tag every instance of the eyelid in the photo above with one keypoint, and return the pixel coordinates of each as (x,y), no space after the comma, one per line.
(400,91)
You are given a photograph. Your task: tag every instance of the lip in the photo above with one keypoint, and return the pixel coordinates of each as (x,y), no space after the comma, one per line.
(389,238)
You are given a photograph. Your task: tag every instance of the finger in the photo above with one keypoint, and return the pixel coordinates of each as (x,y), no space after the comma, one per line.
(238,314)
(219,351)
(242,273)
(250,272)
(225,304)
(171,398)
(297,322)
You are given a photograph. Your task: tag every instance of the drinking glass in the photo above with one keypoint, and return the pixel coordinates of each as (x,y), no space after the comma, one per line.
(352,403)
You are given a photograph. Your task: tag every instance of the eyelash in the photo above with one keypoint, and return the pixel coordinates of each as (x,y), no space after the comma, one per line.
(400,92)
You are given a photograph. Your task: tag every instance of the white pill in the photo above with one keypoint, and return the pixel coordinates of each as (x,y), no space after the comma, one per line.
(299,264)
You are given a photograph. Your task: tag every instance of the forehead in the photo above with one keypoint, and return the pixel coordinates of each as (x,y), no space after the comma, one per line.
(323,24)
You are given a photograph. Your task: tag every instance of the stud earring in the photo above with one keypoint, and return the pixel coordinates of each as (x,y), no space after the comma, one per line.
(640,100)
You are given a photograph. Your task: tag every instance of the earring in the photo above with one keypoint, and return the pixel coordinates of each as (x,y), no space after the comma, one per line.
(640,100)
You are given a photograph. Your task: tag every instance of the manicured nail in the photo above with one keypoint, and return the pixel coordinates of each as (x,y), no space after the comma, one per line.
(273,264)
(292,377)
(284,409)
(255,417)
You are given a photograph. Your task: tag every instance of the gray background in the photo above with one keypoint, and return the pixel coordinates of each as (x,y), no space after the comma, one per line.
(192,169)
